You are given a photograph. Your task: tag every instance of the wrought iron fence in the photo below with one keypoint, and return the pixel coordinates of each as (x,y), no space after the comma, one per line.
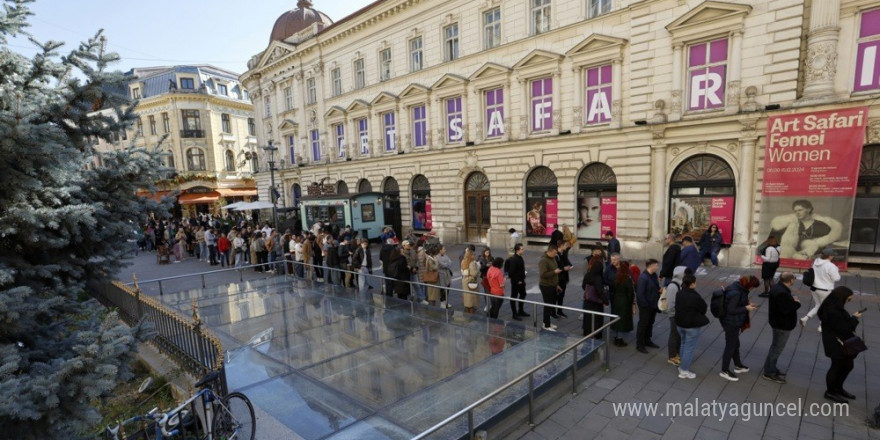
(194,347)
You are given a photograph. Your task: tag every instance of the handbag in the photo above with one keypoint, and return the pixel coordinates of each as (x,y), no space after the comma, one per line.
(591,295)
(431,276)
(853,345)
(472,285)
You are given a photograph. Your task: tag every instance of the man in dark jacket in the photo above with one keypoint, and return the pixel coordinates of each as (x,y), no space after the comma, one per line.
(670,259)
(647,295)
(548,276)
(516,271)
(782,318)
(563,262)
(344,252)
(332,261)
(689,256)
(737,307)
(362,263)
(385,257)
(613,243)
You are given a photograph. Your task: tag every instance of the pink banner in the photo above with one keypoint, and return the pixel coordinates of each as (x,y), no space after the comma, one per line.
(552,214)
(428,221)
(721,214)
(609,215)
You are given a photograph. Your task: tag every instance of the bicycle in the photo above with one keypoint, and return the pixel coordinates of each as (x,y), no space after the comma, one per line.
(231,417)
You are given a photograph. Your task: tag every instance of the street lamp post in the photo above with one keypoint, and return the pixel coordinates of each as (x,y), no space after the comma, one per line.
(271,149)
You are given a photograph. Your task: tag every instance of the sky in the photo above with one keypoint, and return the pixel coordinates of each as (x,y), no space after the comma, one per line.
(223,33)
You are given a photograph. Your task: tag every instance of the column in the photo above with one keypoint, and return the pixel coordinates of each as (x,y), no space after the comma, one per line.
(557,103)
(677,74)
(744,192)
(658,191)
(579,108)
(616,93)
(465,116)
(734,74)
(508,119)
(821,61)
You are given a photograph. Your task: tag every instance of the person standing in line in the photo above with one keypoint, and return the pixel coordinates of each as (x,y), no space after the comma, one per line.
(593,277)
(412,260)
(557,235)
(689,255)
(432,289)
(299,262)
(670,259)
(496,286)
(202,246)
(563,262)
(271,250)
(674,344)
(308,251)
(211,242)
(839,326)
(548,274)
(622,303)
(647,295)
(401,271)
(259,245)
(238,250)
(516,271)
(445,264)
(782,318)
(769,264)
(734,322)
(710,244)
(613,243)
(826,275)
(512,241)
(470,273)
(385,259)
(362,263)
(331,249)
(690,316)
(485,261)
(223,247)
(344,263)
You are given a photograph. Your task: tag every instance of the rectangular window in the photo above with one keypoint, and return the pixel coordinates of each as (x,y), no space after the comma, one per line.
(136,93)
(598,7)
(390,129)
(707,72)
(288,98)
(336,77)
(454,123)
(310,88)
(867,60)
(166,122)
(385,65)
(450,38)
(291,146)
(339,130)
(140,127)
(540,16)
(415,54)
(316,145)
(152,124)
(359,79)
(187,83)
(364,136)
(542,104)
(598,94)
(252,127)
(492,28)
(221,90)
(191,120)
(268,102)
(494,100)
(226,126)
(420,126)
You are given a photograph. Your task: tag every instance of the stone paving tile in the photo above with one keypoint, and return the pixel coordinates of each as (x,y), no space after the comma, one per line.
(532,435)
(550,429)
(655,424)
(642,434)
(590,425)
(706,433)
(569,415)
(679,431)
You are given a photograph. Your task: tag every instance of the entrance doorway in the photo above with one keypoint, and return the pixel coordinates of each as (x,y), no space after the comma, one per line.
(865,239)
(391,191)
(478,214)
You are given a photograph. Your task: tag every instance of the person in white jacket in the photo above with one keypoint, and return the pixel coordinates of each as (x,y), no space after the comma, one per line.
(826,275)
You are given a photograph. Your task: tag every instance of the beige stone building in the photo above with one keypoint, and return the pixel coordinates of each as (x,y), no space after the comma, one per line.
(641,117)
(211,133)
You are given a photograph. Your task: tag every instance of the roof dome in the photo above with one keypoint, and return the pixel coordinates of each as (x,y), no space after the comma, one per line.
(298,19)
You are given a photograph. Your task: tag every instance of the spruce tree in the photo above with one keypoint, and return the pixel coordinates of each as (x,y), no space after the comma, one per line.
(64,227)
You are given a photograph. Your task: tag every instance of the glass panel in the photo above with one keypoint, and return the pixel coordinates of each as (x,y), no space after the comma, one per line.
(722,190)
(485,210)
(867,207)
(686,191)
(472,210)
(864,231)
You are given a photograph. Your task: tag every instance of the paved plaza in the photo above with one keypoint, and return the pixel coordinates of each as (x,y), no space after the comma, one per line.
(647,378)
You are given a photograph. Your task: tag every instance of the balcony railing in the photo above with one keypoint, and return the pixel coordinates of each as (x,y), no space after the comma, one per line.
(192,133)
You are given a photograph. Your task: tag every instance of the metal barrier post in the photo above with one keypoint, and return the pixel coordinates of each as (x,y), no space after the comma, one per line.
(574,363)
(531,399)
(161,292)
(240,275)
(535,314)
(203,281)
(607,349)
(471,425)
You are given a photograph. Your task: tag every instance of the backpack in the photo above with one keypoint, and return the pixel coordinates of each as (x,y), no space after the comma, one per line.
(662,304)
(718,306)
(809,277)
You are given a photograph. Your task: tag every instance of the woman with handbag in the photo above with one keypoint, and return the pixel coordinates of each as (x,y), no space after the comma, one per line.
(769,264)
(431,274)
(445,276)
(623,303)
(840,342)
(470,272)
(496,286)
(595,298)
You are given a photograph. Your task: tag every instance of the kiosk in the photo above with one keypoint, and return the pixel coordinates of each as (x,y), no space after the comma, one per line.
(363,212)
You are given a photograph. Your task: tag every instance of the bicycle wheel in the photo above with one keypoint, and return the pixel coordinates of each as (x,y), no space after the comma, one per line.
(234,418)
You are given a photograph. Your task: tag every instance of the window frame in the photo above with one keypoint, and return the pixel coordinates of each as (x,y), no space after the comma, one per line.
(451,44)
(497,106)
(360,79)
(706,67)
(166,122)
(604,7)
(447,116)
(194,115)
(416,121)
(288,98)
(385,62)
(416,55)
(338,131)
(190,156)
(336,80)
(190,81)
(864,43)
(363,127)
(543,97)
(598,88)
(252,127)
(543,9)
(315,141)
(222,90)
(291,148)
(492,30)
(225,123)
(152,121)
(388,139)
(136,93)
(311,91)
(230,165)
(267,100)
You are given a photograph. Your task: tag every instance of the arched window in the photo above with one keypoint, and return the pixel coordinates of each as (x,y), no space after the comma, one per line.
(364,185)
(230,161)
(541,202)
(390,187)
(170,159)
(702,192)
(421,200)
(296,193)
(341,188)
(195,159)
(596,201)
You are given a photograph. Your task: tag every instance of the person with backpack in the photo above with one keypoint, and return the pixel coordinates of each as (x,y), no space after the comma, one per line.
(769,264)
(690,316)
(622,303)
(734,320)
(782,318)
(839,326)
(825,274)
(647,295)
(666,304)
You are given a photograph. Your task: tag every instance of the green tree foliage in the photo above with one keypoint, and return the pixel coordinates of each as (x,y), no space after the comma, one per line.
(63,231)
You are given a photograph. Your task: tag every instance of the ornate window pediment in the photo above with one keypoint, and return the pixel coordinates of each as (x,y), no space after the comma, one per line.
(383,98)
(335,112)
(414,90)
(477,181)
(597,174)
(597,48)
(449,80)
(538,62)
(703,168)
(490,71)
(288,124)
(708,18)
(358,105)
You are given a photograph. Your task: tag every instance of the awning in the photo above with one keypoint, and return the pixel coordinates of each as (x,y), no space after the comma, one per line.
(157,197)
(198,199)
(237,192)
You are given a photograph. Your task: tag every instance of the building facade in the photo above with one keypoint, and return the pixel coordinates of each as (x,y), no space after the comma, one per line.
(641,117)
(205,122)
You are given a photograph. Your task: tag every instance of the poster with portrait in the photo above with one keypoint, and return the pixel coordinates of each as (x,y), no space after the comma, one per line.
(693,215)
(596,215)
(421,214)
(541,214)
(811,170)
